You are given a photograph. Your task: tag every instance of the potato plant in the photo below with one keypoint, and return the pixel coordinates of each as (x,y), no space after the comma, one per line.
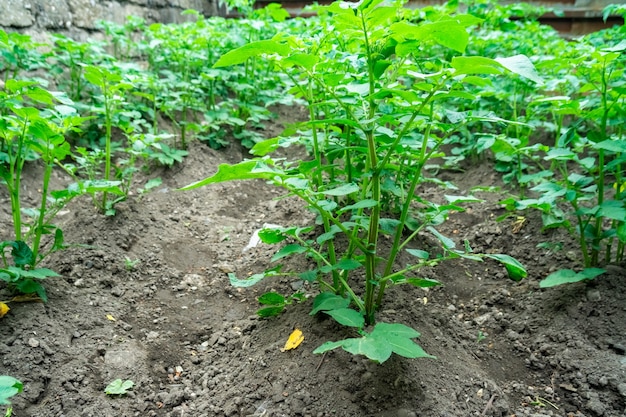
(377,116)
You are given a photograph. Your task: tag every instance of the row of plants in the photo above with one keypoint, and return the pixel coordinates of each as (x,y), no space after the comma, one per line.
(390,93)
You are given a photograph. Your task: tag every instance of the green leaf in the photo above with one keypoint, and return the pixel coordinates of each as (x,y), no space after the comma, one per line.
(39,273)
(612,209)
(272,235)
(287,250)
(21,253)
(328,301)
(119,387)
(567,276)
(29,286)
(385,339)
(271,298)
(418,282)
(270,311)
(515,269)
(242,283)
(309,276)
(475,65)
(617,146)
(448,33)
(399,338)
(345,264)
(521,65)
(252,49)
(446,242)
(360,205)
(421,254)
(242,171)
(347,317)
(9,387)
(455,199)
(344,189)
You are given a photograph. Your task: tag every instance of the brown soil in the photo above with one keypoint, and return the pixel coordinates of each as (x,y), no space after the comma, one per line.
(194,347)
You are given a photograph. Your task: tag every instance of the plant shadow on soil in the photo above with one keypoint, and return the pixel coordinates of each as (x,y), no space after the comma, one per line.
(194,346)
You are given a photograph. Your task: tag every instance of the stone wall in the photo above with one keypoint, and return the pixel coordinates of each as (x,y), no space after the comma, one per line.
(77,18)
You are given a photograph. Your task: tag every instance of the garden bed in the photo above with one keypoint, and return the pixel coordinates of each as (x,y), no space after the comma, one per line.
(193,346)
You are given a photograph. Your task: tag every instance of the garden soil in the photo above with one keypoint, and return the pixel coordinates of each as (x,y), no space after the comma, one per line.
(145,296)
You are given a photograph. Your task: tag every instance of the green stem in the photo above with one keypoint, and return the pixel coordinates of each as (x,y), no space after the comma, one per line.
(597,234)
(42,210)
(396,246)
(108,122)
(374,182)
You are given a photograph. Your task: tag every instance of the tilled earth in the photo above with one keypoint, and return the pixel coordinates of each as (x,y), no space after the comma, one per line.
(144,296)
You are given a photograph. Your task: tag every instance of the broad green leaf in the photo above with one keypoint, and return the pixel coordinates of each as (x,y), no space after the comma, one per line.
(306,61)
(328,301)
(252,49)
(455,199)
(271,298)
(347,317)
(248,282)
(371,347)
(21,253)
(324,237)
(287,250)
(272,235)
(39,273)
(515,269)
(9,387)
(421,254)
(29,286)
(119,387)
(617,146)
(309,276)
(242,171)
(448,33)
(475,65)
(344,189)
(521,65)
(399,338)
(420,282)
(270,311)
(345,264)
(612,209)
(446,242)
(567,276)
(360,205)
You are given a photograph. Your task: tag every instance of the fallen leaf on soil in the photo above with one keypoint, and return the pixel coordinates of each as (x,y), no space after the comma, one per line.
(295,339)
(110,317)
(4,309)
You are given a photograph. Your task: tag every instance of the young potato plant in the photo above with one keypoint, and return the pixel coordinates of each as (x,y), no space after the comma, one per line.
(587,166)
(377,117)
(26,133)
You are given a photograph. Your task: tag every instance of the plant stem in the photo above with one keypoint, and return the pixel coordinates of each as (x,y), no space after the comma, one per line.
(42,208)
(108,122)
(372,164)
(597,234)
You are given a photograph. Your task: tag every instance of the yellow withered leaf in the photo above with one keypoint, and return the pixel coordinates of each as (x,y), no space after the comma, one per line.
(295,339)
(4,309)
(110,317)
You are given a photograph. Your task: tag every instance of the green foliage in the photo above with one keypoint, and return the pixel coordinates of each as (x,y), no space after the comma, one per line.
(9,387)
(32,126)
(119,387)
(375,122)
